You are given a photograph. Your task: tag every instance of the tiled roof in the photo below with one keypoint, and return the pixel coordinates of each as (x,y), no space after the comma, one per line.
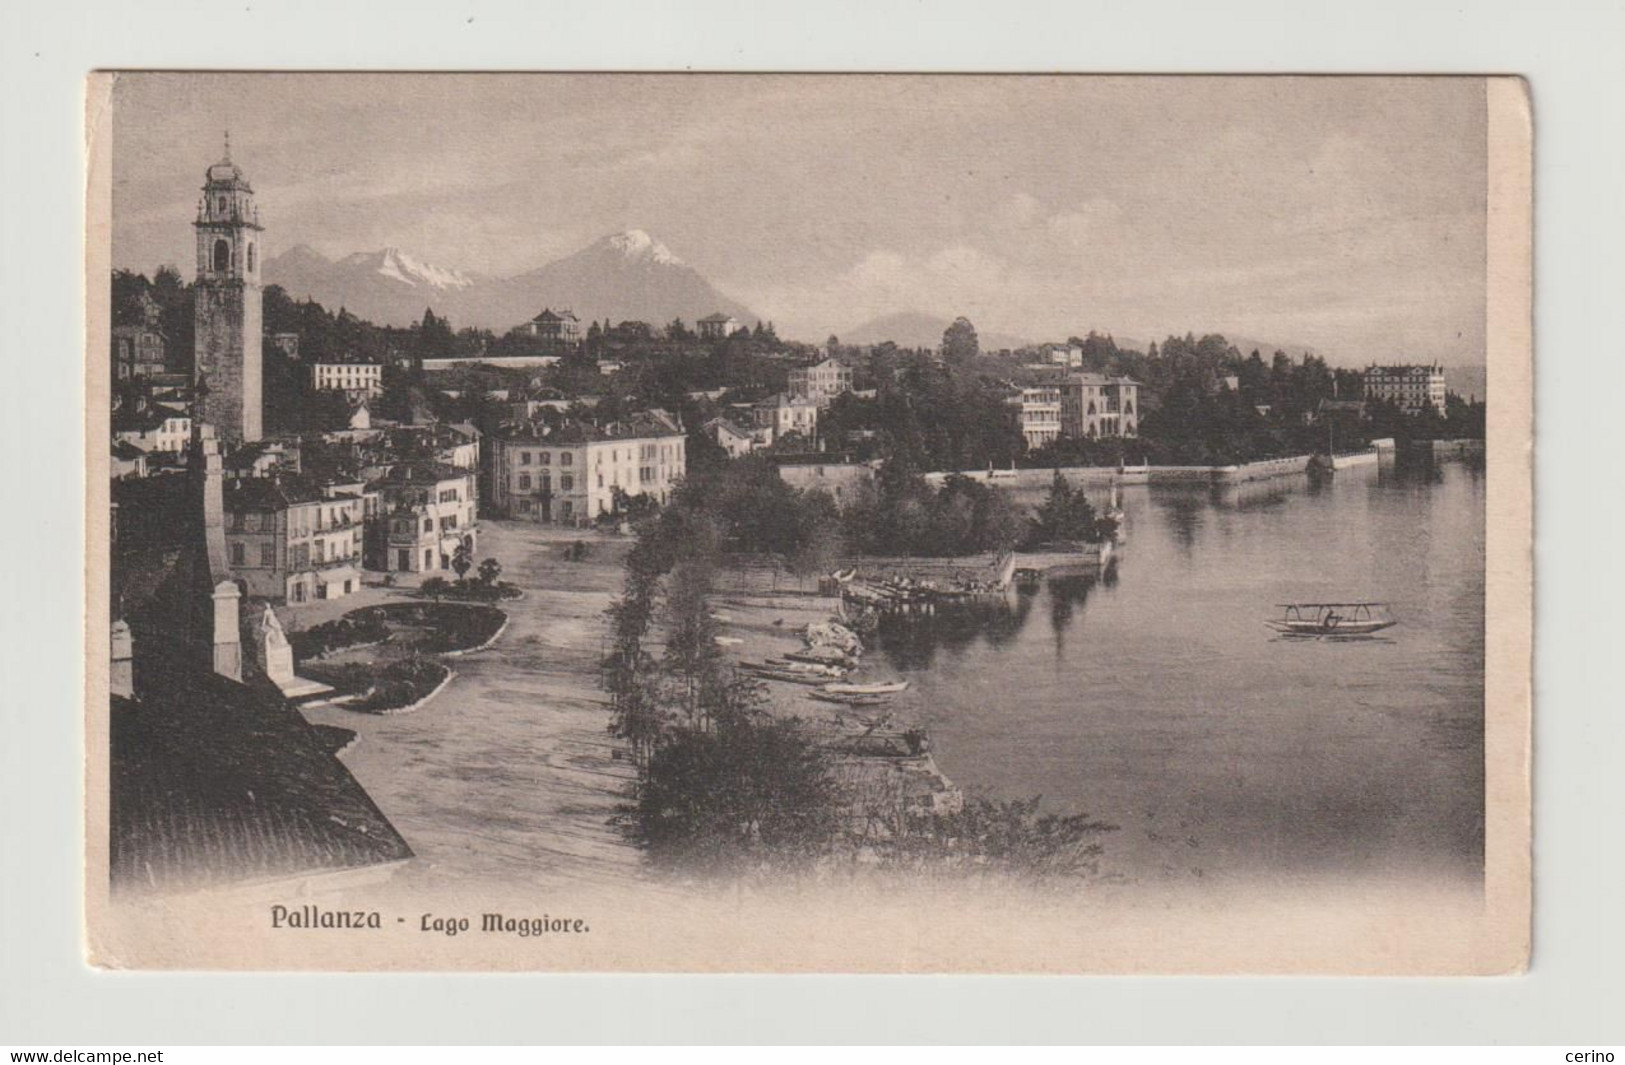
(276,492)
(419,472)
(130,421)
(213,782)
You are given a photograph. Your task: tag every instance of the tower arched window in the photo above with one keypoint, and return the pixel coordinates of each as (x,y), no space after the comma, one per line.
(251,258)
(221,201)
(222,256)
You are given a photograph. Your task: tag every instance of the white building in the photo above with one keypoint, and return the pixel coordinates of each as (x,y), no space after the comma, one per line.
(570,475)
(1067,356)
(821,382)
(718,326)
(1411,388)
(783,414)
(154,429)
(733,438)
(365,377)
(1038,411)
(426,511)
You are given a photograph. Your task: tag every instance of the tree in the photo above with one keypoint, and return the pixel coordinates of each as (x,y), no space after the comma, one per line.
(490,570)
(1065,515)
(755,792)
(959,343)
(462,560)
(435,587)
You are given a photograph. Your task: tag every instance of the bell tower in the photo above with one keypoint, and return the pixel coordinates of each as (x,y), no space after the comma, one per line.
(229,302)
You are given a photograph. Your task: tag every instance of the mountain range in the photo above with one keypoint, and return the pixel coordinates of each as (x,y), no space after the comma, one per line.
(628,275)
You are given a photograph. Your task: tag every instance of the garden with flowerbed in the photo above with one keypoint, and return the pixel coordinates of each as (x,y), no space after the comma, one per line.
(380,659)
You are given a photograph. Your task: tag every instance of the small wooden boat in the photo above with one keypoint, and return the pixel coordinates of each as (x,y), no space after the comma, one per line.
(787,675)
(817,669)
(1320,620)
(850,700)
(887,687)
(826,656)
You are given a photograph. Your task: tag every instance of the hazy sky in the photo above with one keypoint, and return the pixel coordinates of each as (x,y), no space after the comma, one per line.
(1343,213)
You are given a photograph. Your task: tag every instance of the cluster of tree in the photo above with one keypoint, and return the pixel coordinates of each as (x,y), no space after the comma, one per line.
(755,512)
(931,416)
(1065,515)
(904,515)
(721,785)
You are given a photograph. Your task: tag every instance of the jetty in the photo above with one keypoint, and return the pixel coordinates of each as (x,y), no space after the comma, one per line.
(922,585)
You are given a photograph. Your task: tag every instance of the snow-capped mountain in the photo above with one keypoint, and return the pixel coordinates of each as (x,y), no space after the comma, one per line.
(639,246)
(628,275)
(399,266)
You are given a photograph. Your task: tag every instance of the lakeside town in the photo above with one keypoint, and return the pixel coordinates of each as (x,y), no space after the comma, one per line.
(685,537)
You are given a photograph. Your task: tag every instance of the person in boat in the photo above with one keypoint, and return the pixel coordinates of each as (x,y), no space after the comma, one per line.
(1332,619)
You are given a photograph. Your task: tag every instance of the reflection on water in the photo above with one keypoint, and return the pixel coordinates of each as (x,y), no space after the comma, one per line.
(1154,696)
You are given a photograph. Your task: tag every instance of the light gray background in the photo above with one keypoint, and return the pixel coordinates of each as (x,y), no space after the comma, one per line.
(1568,50)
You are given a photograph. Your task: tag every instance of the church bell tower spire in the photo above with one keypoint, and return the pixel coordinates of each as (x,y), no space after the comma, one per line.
(228,318)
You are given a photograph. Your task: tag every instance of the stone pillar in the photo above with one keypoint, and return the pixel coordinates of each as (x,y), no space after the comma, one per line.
(228,649)
(121,677)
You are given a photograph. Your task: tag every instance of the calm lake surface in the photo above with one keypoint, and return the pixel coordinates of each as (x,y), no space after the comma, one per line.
(1155,698)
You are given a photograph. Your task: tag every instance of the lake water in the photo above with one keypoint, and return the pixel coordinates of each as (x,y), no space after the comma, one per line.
(1157,699)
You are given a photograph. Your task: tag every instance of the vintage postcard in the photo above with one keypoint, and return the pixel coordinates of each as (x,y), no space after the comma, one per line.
(808,523)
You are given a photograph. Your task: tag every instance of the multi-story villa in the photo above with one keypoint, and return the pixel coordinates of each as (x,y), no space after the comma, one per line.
(292,539)
(783,414)
(1067,356)
(821,382)
(139,350)
(424,512)
(718,326)
(1038,412)
(569,475)
(367,377)
(1096,405)
(554,328)
(1411,388)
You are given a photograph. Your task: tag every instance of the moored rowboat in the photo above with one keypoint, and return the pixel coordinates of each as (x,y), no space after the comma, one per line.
(880,688)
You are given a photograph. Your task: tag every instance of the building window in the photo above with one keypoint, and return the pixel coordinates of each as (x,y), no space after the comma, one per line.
(268,556)
(222,251)
(428,558)
(524,506)
(547,458)
(566,483)
(251,258)
(566,458)
(524,482)
(236,554)
(524,458)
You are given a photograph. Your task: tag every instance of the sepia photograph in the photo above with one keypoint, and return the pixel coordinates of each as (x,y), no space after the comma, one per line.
(808,523)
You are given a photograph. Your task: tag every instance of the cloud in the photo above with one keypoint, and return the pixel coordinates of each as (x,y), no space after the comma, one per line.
(1080,227)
